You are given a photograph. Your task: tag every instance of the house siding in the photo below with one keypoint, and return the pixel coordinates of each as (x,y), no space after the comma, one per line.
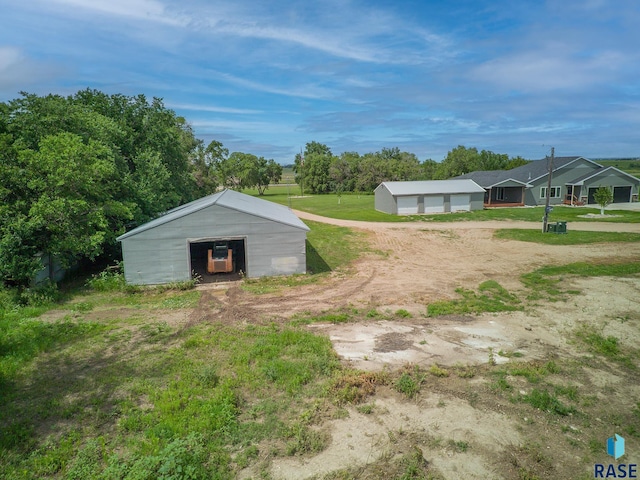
(559,178)
(612,179)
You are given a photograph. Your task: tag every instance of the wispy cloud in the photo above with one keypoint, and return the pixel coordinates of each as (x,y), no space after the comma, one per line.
(214,109)
(150,10)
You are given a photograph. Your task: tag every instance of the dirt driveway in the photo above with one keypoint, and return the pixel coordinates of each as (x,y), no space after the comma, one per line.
(419,263)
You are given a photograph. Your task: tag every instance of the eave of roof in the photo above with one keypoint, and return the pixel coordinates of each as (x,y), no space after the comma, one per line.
(596,173)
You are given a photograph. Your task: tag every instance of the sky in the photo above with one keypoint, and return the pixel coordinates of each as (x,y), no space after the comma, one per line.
(266,77)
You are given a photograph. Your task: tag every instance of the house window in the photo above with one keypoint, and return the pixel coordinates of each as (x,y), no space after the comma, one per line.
(555,192)
(499,193)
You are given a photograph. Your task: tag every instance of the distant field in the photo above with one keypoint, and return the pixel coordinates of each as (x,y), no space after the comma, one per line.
(287,176)
(628,165)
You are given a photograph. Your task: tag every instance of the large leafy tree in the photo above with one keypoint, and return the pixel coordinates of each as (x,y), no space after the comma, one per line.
(76,170)
(312,168)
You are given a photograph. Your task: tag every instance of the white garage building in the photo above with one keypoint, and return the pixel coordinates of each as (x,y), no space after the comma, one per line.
(265,239)
(429,196)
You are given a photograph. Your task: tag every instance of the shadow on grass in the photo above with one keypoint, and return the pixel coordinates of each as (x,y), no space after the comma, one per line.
(315,262)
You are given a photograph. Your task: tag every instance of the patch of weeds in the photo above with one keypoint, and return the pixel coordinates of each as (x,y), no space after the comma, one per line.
(510,354)
(353,387)
(366,409)
(182,285)
(501,383)
(409,382)
(532,371)
(491,297)
(437,371)
(373,313)
(569,391)
(413,465)
(244,458)
(208,376)
(402,313)
(304,440)
(465,371)
(542,286)
(606,346)
(262,285)
(459,446)
(492,357)
(547,402)
(82,307)
(181,300)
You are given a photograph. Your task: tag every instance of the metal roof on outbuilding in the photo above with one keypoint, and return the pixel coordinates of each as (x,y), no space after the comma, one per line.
(432,187)
(228,199)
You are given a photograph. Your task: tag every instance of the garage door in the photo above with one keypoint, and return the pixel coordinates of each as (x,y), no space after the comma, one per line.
(461,203)
(621,194)
(433,204)
(407,205)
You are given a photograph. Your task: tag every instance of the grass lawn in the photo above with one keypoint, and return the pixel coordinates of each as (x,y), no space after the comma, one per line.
(361,207)
(328,248)
(572,237)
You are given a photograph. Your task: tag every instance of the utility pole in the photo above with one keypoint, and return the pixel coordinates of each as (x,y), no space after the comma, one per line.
(302,171)
(548,208)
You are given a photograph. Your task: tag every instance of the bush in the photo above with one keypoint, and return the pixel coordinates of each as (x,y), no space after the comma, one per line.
(108,280)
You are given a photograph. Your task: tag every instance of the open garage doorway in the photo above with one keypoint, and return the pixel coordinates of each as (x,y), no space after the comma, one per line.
(218,260)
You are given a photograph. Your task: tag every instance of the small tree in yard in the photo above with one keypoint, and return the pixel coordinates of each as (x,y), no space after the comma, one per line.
(603,197)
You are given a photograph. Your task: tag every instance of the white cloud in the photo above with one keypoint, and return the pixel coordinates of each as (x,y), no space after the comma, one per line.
(540,71)
(18,71)
(211,108)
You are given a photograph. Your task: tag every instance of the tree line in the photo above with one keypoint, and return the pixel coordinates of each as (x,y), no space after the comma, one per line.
(318,170)
(77,171)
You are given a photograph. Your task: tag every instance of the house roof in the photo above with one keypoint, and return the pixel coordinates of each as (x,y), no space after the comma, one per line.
(492,178)
(228,199)
(540,168)
(596,173)
(524,174)
(432,187)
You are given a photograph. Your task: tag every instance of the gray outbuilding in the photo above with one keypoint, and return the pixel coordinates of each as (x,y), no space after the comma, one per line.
(429,196)
(265,238)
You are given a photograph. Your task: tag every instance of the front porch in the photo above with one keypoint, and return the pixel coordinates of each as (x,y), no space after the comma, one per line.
(504,196)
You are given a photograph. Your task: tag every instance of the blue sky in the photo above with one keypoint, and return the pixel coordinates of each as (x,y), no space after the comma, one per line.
(266,77)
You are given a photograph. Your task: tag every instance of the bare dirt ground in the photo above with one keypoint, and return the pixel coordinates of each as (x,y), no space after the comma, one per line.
(414,264)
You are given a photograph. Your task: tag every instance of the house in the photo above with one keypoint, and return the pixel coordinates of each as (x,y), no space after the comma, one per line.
(574,182)
(430,196)
(265,239)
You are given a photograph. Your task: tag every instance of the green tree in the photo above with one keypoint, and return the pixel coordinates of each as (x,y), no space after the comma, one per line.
(205,165)
(429,168)
(312,168)
(265,173)
(74,170)
(68,209)
(603,197)
(458,161)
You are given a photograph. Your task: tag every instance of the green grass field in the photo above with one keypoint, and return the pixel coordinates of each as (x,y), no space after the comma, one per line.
(572,237)
(361,207)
